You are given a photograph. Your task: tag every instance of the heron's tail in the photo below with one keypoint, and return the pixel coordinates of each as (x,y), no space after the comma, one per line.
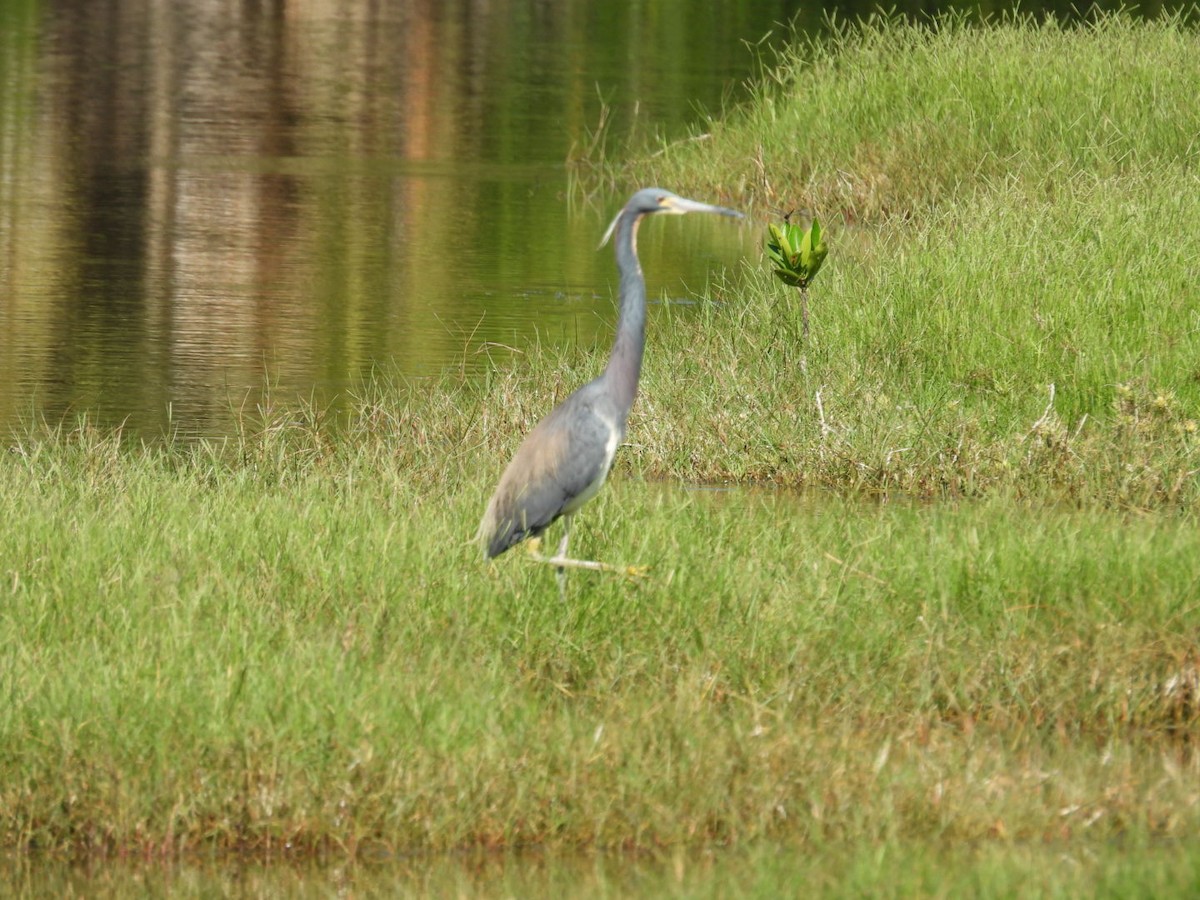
(486,526)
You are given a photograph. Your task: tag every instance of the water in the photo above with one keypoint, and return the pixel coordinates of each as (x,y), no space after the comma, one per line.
(199,199)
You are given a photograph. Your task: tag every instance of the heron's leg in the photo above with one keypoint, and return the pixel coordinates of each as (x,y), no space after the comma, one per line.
(561,562)
(566,538)
(560,572)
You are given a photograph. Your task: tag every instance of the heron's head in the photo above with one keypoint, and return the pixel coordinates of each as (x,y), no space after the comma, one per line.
(648,201)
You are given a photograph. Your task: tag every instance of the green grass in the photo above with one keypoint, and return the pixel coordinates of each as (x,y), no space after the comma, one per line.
(940,367)
(218,648)
(1009,208)
(944,636)
(1123,870)
(884,119)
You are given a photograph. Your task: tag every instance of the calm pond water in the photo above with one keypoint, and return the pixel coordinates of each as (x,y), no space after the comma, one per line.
(200,198)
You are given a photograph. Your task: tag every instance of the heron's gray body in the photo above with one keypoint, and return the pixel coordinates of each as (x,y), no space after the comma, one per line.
(565,460)
(561,465)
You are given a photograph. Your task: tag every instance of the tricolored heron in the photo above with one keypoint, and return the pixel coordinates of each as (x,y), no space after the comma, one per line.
(564,461)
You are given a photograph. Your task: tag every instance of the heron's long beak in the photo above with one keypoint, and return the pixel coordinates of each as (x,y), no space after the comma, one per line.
(681,205)
(675,206)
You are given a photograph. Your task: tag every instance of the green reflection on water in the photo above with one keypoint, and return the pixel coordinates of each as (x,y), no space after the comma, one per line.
(303,195)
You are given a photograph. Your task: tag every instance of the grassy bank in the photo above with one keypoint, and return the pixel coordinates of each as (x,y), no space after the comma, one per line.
(262,653)
(282,643)
(1010,298)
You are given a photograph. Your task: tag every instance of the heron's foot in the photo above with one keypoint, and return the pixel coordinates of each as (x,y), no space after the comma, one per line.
(561,562)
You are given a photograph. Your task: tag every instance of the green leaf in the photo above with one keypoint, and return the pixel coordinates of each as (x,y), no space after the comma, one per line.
(780,239)
(817,251)
(795,238)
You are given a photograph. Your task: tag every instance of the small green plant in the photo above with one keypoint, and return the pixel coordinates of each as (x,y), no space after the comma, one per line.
(796,255)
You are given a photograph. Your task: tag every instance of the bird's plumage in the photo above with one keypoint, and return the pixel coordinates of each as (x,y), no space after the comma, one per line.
(560,465)
(565,459)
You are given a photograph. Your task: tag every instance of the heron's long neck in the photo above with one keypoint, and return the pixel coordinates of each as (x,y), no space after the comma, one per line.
(625,361)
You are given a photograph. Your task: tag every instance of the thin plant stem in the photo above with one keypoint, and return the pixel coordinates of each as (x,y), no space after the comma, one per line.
(803,329)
